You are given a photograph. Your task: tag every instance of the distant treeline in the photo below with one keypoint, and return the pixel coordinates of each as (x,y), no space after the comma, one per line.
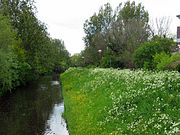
(26,49)
(125,38)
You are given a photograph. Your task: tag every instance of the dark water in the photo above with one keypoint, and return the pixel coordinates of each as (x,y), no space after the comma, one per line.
(34,110)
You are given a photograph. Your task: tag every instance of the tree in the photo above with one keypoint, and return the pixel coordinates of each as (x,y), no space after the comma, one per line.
(128,31)
(26,50)
(61,56)
(122,32)
(92,56)
(95,29)
(161,27)
(33,33)
(76,60)
(98,23)
(7,58)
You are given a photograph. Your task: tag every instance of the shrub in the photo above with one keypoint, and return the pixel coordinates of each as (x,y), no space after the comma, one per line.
(166,44)
(164,61)
(144,55)
(161,61)
(175,61)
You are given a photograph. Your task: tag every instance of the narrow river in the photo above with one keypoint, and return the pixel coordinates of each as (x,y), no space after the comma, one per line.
(35,109)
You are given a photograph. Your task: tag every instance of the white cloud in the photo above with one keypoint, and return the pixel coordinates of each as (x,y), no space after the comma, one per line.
(65,18)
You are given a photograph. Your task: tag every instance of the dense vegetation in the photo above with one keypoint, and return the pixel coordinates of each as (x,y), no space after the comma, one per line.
(26,50)
(118,33)
(123,102)
(144,55)
(122,37)
(98,101)
(111,101)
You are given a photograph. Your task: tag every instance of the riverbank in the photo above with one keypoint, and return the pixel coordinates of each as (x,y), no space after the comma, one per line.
(109,101)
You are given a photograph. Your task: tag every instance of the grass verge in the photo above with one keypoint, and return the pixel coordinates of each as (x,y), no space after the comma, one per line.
(118,102)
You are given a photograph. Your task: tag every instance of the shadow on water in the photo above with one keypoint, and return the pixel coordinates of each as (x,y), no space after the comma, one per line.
(34,110)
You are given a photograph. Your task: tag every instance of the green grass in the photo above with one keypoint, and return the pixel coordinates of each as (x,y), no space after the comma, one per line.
(118,102)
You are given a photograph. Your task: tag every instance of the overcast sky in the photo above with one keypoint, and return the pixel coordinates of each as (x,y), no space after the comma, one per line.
(65,18)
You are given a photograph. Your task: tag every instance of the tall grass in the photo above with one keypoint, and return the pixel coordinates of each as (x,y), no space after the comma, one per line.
(118,102)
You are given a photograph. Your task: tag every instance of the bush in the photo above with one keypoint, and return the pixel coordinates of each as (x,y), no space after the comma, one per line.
(144,55)
(166,44)
(175,61)
(163,61)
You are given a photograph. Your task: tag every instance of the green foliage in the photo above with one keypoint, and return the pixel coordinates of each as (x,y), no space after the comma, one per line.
(8,61)
(76,60)
(92,56)
(111,101)
(131,10)
(167,44)
(97,24)
(7,36)
(175,59)
(26,49)
(122,31)
(35,48)
(61,56)
(108,61)
(24,72)
(5,75)
(19,51)
(143,57)
(163,61)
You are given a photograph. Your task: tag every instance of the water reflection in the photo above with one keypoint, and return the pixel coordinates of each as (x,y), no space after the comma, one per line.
(55,82)
(56,124)
(33,110)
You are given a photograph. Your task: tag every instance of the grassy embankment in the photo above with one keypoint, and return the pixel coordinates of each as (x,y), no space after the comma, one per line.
(119,102)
